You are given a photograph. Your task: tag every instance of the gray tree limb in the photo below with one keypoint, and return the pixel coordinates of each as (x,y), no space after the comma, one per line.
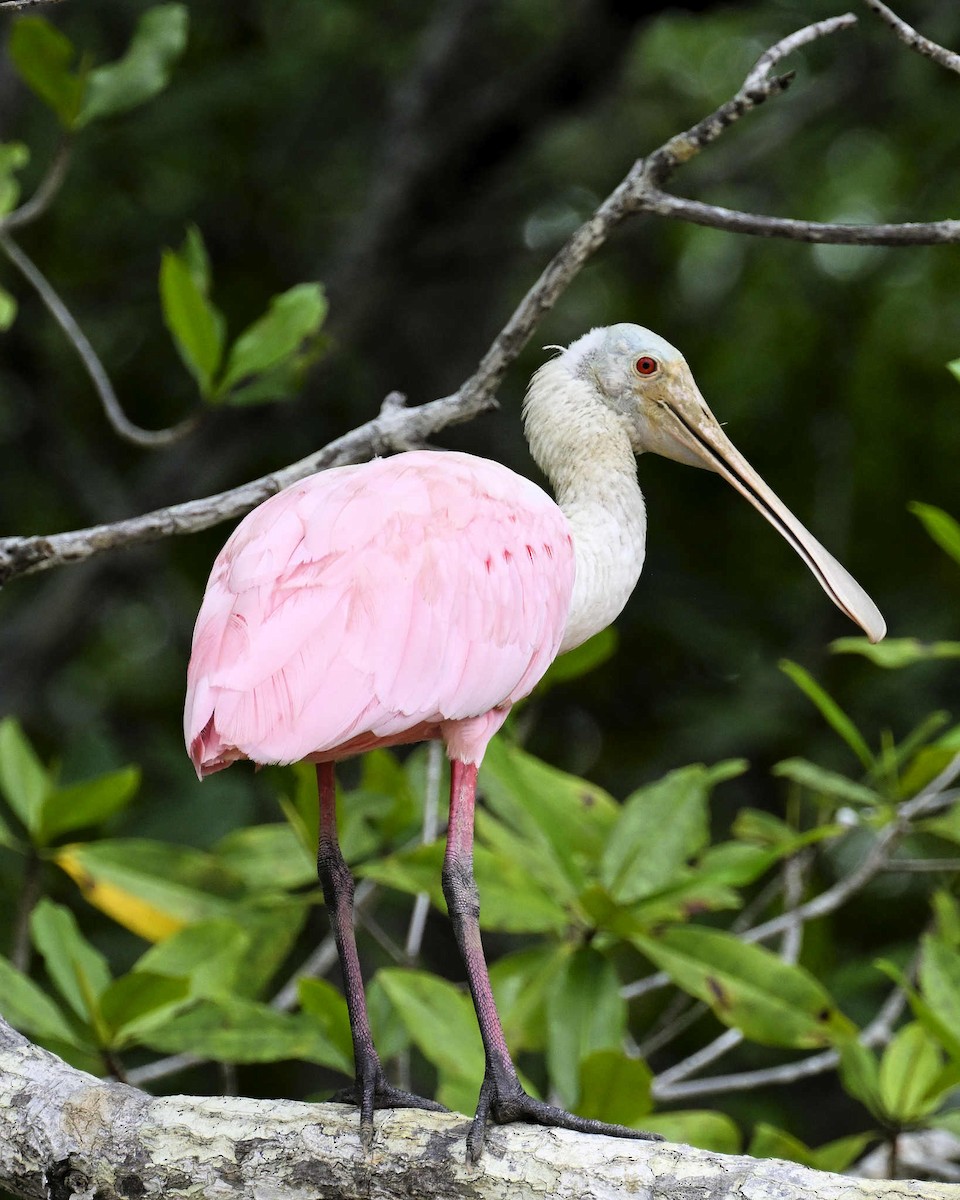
(64,1133)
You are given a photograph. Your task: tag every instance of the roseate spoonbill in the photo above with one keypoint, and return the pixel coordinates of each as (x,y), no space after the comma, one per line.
(419,596)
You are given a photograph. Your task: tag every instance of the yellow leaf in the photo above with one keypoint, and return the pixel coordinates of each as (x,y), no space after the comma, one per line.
(128,910)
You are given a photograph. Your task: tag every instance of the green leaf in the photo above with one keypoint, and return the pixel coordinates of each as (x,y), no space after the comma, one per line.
(860,1074)
(194,254)
(208,954)
(89,803)
(195,324)
(954,368)
(735,864)
(9,839)
(614,1088)
(522,983)
(564,820)
(510,899)
(158,41)
(321,1001)
(939,978)
(826,783)
(243,1031)
(13,156)
(688,896)
(943,528)
(584,658)
(832,713)
(135,1002)
(660,827)
(909,1067)
(585,1012)
(896,652)
(749,987)
(28,1008)
(24,781)
(43,57)
(292,318)
(440,1021)
(946,909)
(78,970)
(151,888)
(268,857)
(8,309)
(769,1142)
(696,1127)
(272,925)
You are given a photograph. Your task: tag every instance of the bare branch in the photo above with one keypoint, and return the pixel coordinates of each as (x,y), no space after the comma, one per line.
(88,356)
(908,233)
(16,5)
(921,866)
(803,37)
(916,41)
(877,1033)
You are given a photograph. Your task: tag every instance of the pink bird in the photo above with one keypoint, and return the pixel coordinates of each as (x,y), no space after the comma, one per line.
(420,596)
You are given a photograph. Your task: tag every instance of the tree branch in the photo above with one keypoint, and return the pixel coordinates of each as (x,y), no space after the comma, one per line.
(119,422)
(64,1133)
(639,192)
(916,41)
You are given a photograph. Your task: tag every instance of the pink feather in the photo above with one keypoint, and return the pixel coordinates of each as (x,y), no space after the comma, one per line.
(411,597)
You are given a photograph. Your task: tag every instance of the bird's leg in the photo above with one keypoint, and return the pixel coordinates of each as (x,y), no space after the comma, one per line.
(372,1089)
(502,1099)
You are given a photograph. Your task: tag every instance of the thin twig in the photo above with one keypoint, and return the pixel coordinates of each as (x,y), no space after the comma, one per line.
(118,419)
(916,41)
(323,958)
(18,4)
(46,191)
(932,798)
(793,877)
(920,866)
(431,822)
(810,33)
(877,1033)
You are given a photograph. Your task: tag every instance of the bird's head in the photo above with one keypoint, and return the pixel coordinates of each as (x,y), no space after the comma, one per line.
(646,385)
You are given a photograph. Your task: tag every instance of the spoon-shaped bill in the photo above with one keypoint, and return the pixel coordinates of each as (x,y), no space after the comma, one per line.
(699,433)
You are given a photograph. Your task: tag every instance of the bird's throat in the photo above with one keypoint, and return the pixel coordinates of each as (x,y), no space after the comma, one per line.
(584,449)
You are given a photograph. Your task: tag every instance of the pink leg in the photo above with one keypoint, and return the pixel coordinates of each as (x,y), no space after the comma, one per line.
(502,1099)
(371,1090)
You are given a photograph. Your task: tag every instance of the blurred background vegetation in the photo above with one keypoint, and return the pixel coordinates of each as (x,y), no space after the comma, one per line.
(423,162)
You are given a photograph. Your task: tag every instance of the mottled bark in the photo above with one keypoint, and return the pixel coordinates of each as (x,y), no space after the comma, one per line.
(64,1133)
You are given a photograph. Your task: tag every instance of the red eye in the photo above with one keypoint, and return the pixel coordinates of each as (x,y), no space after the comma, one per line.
(646,365)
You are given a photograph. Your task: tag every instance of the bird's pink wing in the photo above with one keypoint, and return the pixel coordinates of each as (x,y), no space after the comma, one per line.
(376,600)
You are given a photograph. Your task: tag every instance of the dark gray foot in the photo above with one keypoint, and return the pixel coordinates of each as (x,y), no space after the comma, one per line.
(506,1102)
(373,1092)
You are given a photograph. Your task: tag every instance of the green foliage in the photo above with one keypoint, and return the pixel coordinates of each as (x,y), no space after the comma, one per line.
(749,987)
(581,890)
(13,156)
(267,361)
(943,528)
(46,810)
(44,58)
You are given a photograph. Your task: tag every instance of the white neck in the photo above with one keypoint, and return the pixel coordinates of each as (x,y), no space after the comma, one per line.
(584,449)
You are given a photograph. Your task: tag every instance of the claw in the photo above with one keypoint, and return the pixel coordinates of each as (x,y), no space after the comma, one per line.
(505,1101)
